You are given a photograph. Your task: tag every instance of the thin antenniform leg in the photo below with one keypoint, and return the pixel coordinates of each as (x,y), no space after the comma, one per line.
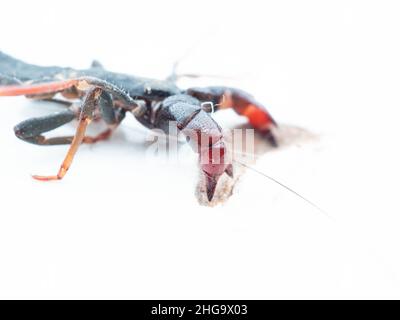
(89,104)
(65,103)
(100,137)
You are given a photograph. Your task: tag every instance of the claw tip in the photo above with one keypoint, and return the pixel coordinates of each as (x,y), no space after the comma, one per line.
(211,183)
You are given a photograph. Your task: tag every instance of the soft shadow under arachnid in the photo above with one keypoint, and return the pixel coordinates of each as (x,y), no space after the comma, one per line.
(286,136)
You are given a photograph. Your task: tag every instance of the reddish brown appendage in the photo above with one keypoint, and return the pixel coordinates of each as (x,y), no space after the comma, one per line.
(40,88)
(102,136)
(78,139)
(49,87)
(258,117)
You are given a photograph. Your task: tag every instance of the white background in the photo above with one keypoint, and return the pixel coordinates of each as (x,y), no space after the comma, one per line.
(123,226)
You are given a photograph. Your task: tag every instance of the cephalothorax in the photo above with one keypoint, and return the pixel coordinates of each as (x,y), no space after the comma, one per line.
(154,103)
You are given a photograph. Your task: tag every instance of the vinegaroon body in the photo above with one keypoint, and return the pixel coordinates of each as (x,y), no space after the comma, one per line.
(110,95)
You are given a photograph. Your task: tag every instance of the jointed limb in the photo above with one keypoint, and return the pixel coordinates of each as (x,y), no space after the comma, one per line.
(243,104)
(81,83)
(32,130)
(88,107)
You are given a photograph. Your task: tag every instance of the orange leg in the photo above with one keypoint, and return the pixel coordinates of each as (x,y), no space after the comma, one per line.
(100,137)
(88,107)
(80,133)
(40,88)
(81,84)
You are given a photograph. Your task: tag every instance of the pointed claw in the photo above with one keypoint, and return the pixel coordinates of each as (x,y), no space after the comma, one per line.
(271,138)
(211,184)
(229,170)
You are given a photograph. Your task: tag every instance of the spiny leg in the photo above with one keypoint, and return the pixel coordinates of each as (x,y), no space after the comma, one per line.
(31,130)
(81,83)
(243,104)
(88,107)
(48,89)
(111,116)
(94,88)
(108,112)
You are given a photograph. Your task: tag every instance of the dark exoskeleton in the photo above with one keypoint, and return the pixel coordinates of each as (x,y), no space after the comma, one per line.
(109,95)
